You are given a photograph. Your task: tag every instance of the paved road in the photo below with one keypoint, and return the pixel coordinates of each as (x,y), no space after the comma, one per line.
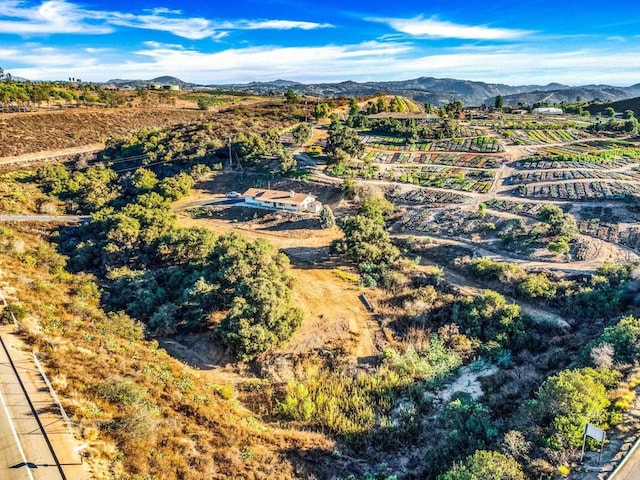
(631,468)
(41,437)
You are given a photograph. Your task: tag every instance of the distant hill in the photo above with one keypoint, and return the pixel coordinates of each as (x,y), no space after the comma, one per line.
(439,91)
(164,80)
(619,106)
(436,91)
(587,93)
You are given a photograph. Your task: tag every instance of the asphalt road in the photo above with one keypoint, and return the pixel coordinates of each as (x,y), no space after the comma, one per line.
(631,468)
(27,437)
(31,425)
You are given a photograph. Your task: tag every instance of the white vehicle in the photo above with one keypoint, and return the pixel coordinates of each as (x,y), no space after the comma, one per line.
(233,195)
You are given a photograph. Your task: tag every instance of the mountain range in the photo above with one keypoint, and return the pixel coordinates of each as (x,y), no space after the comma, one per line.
(436,91)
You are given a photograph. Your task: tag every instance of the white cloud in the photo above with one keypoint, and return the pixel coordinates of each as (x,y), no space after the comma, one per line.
(519,64)
(279,25)
(61,16)
(191,28)
(52,16)
(434,28)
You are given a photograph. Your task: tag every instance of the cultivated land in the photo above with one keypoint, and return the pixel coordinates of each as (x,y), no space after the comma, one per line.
(349,392)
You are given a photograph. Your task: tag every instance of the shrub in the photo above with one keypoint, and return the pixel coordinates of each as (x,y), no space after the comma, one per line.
(11,311)
(485,465)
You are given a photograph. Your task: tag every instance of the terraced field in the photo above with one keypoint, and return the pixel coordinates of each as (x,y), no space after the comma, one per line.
(469,144)
(543,136)
(469,160)
(583,191)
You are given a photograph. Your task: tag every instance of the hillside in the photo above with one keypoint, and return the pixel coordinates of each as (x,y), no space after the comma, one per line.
(46,131)
(571,94)
(619,106)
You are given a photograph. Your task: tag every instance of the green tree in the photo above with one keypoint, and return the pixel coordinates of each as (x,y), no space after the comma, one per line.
(354,108)
(376,208)
(292,97)
(176,187)
(301,134)
(327,219)
(143,180)
(569,400)
(560,223)
(537,286)
(629,114)
(489,317)
(321,110)
(343,142)
(624,337)
(382,104)
(252,279)
(287,162)
(499,103)
(485,465)
(609,112)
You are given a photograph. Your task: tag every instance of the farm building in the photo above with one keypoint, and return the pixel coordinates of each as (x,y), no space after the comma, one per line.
(547,111)
(280,200)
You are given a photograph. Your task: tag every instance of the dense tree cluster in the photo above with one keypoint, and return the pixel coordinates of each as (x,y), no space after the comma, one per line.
(343,142)
(367,243)
(171,277)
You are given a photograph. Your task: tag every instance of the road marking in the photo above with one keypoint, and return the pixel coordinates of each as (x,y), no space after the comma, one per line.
(15,435)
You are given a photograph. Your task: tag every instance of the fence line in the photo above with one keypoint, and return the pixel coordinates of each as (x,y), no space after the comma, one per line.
(52,391)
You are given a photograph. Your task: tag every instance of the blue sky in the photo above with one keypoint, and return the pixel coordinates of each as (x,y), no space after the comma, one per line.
(514,42)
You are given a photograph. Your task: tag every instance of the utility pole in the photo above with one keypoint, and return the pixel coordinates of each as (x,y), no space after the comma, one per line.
(230,157)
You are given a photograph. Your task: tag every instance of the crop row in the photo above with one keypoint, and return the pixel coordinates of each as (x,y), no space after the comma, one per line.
(555,175)
(535,164)
(451,222)
(448,178)
(611,232)
(542,137)
(583,190)
(423,196)
(396,144)
(458,160)
(509,206)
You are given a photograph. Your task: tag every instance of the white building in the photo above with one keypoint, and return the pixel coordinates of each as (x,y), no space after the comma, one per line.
(279,200)
(547,111)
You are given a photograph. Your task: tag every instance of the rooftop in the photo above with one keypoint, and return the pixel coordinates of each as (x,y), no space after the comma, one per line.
(280,196)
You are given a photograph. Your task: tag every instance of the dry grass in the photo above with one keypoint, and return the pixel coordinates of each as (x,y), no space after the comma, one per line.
(172,423)
(50,131)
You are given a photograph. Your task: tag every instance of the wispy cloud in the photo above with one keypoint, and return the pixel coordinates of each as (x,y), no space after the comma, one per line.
(63,17)
(362,61)
(279,25)
(53,16)
(432,27)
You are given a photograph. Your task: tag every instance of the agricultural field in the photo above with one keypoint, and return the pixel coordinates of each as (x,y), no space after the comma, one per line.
(423,197)
(442,177)
(583,191)
(470,160)
(543,136)
(538,176)
(548,163)
(395,144)
(517,208)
